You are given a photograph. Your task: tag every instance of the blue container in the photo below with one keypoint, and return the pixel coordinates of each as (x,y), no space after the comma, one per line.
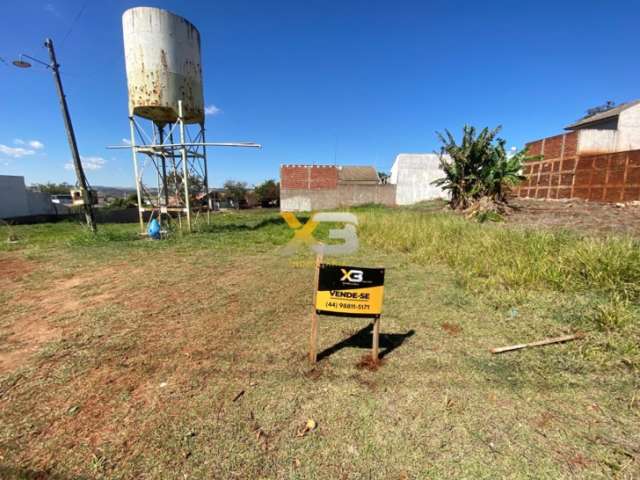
(154,229)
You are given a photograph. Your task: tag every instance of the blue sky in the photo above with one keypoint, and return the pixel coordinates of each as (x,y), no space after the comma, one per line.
(355,82)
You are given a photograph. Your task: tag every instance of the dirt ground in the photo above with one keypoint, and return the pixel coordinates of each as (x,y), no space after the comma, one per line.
(587,217)
(188,359)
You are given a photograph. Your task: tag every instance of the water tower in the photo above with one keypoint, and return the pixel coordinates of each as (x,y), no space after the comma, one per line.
(166,115)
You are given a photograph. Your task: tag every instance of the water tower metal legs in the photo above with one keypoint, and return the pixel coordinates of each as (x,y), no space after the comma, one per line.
(134,155)
(206,177)
(176,173)
(185,166)
(163,190)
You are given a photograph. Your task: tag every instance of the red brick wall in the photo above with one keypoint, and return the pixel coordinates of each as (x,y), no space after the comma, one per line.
(308,177)
(613,177)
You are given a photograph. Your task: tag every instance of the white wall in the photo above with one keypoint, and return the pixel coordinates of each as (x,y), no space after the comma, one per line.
(295,203)
(40,204)
(13,199)
(413,174)
(626,137)
(597,141)
(629,129)
(17,201)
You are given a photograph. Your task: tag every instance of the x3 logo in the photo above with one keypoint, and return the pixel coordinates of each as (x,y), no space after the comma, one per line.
(355,276)
(303,234)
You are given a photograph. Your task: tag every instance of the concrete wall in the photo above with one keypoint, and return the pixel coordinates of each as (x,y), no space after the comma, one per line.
(40,204)
(13,199)
(629,130)
(306,200)
(592,141)
(304,188)
(604,139)
(17,201)
(413,174)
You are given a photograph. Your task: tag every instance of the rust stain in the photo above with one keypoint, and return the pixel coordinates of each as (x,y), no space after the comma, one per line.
(163,60)
(155,86)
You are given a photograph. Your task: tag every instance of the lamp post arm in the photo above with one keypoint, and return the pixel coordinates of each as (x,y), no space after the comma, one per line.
(48,65)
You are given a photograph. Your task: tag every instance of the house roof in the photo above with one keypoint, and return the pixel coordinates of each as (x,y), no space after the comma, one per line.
(590,119)
(358,174)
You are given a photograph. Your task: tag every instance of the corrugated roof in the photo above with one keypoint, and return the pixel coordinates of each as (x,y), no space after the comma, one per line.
(614,112)
(358,174)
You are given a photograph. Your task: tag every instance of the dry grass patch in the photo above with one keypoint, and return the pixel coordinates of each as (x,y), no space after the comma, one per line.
(196,366)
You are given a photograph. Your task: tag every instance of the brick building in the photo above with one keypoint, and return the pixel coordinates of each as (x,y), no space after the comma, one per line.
(321,187)
(598,159)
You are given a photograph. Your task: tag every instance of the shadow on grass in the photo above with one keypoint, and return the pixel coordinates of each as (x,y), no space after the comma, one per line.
(363,339)
(240,226)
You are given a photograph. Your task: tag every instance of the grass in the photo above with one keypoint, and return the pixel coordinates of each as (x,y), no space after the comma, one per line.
(593,283)
(496,257)
(153,341)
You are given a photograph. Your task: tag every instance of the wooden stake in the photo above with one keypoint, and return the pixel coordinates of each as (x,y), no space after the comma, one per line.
(313,340)
(376,340)
(539,343)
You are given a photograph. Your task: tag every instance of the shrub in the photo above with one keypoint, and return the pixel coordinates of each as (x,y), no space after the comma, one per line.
(477,167)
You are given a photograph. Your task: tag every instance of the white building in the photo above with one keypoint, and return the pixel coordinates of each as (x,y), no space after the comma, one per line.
(614,130)
(413,174)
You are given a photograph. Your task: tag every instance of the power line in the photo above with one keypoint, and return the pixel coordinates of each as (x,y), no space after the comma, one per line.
(84,5)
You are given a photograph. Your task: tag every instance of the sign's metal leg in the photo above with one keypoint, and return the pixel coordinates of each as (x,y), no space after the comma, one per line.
(313,340)
(376,340)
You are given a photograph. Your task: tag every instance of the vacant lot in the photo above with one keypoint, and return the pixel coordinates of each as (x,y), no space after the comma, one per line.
(186,358)
(580,215)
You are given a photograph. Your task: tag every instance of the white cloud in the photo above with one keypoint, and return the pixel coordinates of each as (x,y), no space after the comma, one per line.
(15,152)
(34,144)
(126,141)
(212,110)
(88,163)
(51,8)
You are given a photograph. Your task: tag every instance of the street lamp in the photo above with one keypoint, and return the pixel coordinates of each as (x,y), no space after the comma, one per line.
(85,194)
(22,64)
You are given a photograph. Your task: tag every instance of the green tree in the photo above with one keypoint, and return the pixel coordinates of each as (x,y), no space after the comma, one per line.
(268,193)
(236,191)
(608,105)
(53,188)
(129,201)
(176,187)
(479,166)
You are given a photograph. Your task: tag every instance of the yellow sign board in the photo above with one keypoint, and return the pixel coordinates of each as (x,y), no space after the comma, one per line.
(350,291)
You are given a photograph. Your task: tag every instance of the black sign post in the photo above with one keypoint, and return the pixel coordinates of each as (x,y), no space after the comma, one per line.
(347,291)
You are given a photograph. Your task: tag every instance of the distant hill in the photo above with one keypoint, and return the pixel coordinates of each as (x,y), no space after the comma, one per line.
(113,191)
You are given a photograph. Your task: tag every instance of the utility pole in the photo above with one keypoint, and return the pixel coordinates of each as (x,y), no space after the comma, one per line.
(71,137)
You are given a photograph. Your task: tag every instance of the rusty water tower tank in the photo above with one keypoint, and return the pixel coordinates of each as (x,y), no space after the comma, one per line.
(162,56)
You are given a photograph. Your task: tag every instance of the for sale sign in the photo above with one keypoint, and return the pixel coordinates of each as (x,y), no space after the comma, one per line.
(350,291)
